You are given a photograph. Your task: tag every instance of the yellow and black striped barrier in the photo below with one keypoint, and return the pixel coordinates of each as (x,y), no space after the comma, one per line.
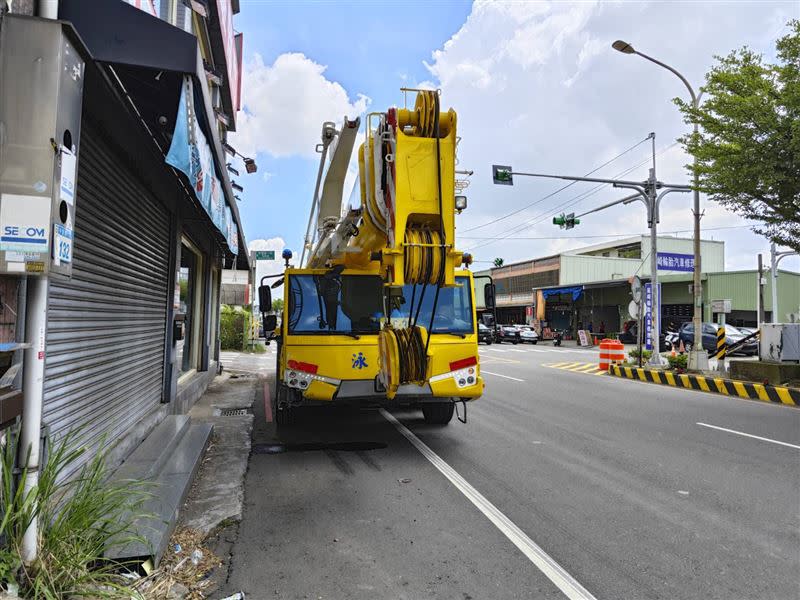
(717,385)
(722,344)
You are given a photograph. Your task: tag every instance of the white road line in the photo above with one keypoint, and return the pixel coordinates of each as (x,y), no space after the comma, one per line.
(498,375)
(750,435)
(543,561)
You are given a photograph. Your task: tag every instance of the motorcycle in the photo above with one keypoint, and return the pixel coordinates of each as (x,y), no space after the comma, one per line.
(671,340)
(557,336)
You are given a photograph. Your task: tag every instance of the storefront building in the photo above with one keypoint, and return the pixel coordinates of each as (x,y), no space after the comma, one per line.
(132,336)
(541,289)
(590,287)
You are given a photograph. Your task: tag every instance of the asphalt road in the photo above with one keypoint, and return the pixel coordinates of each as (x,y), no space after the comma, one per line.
(613,481)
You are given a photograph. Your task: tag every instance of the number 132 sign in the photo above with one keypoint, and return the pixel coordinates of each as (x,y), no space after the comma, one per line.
(62,245)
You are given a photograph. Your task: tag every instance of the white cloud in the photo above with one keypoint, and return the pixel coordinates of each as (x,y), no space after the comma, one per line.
(537,86)
(285,104)
(269,267)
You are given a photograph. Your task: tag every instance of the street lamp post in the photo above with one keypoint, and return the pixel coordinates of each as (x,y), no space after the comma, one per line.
(774,258)
(698,358)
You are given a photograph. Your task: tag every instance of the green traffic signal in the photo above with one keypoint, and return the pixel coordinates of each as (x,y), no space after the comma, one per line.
(502,175)
(560,220)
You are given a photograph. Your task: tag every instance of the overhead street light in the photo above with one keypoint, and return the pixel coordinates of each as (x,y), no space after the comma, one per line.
(249,163)
(623,47)
(698,358)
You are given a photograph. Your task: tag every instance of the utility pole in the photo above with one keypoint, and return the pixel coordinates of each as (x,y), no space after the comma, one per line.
(648,193)
(698,359)
(774,258)
(760,297)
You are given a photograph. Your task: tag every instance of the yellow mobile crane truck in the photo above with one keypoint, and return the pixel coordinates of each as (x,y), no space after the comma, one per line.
(381,310)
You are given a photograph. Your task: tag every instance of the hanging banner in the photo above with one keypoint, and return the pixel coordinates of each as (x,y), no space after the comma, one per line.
(231,232)
(147,6)
(191,154)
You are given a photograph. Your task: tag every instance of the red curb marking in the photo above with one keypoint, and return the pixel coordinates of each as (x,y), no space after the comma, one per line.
(267,403)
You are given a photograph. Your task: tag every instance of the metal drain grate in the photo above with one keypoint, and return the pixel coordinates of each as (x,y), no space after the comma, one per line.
(233,412)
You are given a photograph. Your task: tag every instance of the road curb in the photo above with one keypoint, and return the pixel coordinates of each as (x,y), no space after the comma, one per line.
(715,385)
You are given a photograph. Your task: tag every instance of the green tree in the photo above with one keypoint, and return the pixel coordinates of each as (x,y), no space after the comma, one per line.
(498,262)
(748,148)
(277,305)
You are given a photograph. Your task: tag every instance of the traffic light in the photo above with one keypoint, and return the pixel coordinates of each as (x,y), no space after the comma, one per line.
(501,175)
(566,221)
(571,221)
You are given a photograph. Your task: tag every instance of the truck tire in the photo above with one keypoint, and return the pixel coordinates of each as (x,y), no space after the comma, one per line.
(438,413)
(282,410)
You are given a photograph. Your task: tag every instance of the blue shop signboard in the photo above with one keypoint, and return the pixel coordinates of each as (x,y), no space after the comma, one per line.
(669,261)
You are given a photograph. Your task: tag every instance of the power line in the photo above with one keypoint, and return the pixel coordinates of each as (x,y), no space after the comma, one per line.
(561,189)
(578,237)
(571,202)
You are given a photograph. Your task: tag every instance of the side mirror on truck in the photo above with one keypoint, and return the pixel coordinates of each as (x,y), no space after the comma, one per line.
(488,295)
(265,298)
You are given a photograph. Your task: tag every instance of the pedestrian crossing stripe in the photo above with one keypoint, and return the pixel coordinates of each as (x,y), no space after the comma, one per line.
(728,387)
(577,367)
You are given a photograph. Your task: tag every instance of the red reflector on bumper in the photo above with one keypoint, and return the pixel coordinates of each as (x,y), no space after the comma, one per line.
(303,366)
(463,363)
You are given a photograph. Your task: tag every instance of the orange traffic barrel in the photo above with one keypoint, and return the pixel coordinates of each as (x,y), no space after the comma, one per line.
(611,352)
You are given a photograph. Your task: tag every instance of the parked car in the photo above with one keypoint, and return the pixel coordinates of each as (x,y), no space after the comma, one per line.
(629,333)
(507,333)
(709,337)
(485,334)
(528,335)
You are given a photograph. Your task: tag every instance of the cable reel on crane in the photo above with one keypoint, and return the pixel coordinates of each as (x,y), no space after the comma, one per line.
(402,357)
(407,221)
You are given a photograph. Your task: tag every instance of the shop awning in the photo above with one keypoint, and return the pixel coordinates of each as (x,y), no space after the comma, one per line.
(150,59)
(574,291)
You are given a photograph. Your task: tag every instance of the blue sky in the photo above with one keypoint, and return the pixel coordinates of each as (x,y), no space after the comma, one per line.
(366,50)
(535,83)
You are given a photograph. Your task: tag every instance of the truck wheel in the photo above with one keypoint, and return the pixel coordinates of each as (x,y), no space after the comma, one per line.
(488,342)
(438,413)
(281,410)
(283,416)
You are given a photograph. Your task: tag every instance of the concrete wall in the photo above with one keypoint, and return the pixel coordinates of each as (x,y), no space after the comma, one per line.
(577,269)
(582,268)
(742,288)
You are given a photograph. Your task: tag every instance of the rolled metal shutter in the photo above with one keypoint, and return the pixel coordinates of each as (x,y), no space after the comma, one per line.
(106,326)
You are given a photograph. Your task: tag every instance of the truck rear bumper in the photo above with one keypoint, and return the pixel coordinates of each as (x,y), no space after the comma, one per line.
(361,391)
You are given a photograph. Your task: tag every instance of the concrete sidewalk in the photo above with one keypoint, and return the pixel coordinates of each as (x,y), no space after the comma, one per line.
(213,507)
(216,495)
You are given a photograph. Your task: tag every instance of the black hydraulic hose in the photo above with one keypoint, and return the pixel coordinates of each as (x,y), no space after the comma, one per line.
(411,306)
(443,237)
